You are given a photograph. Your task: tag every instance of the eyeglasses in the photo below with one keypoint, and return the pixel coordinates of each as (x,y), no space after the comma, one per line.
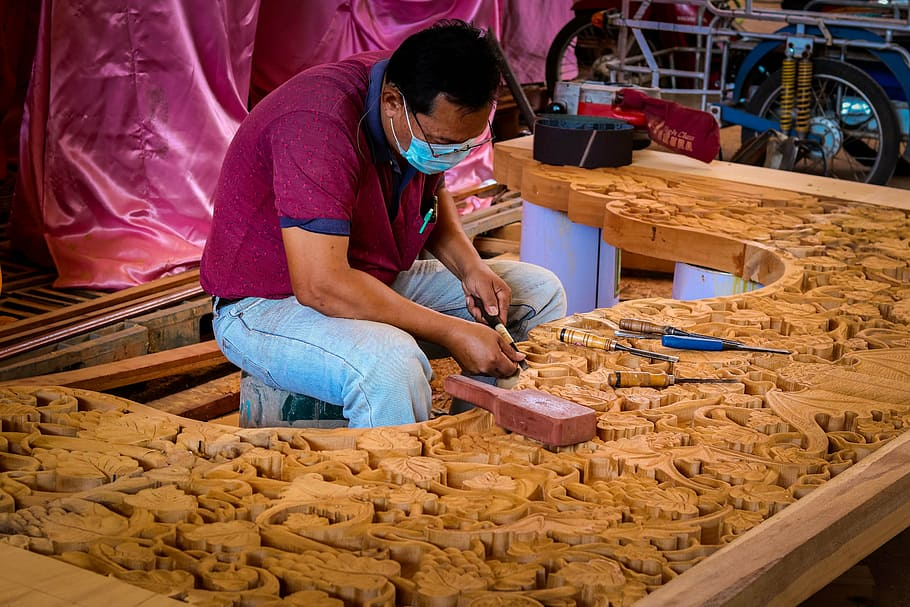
(462,148)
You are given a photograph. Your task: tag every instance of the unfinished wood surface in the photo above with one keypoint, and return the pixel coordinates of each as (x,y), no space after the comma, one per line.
(30,580)
(732,485)
(826,531)
(511,158)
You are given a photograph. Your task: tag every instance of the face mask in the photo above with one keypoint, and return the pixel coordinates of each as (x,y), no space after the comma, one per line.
(420,155)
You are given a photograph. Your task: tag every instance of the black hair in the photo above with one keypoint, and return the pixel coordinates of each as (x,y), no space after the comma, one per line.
(450,57)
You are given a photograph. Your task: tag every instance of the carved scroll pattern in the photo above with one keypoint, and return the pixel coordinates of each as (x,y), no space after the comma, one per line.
(457,512)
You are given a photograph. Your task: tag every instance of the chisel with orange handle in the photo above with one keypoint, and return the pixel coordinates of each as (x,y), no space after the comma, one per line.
(592,340)
(645,379)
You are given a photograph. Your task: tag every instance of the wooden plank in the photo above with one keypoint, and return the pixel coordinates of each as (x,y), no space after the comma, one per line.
(841,189)
(646,263)
(30,305)
(508,158)
(32,580)
(495,246)
(14,283)
(175,326)
(539,186)
(795,553)
(484,189)
(204,402)
(106,302)
(496,216)
(675,243)
(38,335)
(112,345)
(511,231)
(132,370)
(511,158)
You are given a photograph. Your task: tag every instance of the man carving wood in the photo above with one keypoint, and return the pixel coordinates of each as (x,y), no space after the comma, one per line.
(331,188)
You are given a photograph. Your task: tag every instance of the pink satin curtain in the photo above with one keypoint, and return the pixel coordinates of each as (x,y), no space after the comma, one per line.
(132,104)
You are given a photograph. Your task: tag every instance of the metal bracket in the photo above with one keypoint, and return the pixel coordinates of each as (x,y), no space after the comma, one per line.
(716,110)
(799,48)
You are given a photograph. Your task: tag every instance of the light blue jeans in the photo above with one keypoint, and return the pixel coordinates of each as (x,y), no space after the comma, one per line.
(378,373)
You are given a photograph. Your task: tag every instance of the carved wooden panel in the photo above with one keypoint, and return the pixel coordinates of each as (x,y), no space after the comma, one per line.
(457,512)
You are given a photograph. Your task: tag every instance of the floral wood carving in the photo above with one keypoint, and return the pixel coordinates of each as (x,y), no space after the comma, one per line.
(456,511)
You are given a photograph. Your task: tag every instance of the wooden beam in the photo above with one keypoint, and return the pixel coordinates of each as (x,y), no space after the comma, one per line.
(101,304)
(495,216)
(512,158)
(495,246)
(39,335)
(132,370)
(674,243)
(789,557)
(841,189)
(204,402)
(107,345)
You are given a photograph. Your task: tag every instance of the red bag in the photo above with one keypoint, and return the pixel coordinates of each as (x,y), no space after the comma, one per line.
(682,129)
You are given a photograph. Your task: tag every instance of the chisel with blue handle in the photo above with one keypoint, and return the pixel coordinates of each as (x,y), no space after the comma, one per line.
(711,344)
(643,326)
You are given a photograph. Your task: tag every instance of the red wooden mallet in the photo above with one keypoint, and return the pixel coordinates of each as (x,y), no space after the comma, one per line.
(532,413)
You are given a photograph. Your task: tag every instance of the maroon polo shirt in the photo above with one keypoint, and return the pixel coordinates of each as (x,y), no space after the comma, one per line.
(312,154)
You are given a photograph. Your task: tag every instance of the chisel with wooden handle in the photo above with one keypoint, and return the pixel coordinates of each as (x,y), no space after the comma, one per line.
(592,340)
(643,326)
(532,413)
(645,379)
(500,328)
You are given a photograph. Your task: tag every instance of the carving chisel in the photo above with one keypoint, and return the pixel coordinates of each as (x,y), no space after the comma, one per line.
(592,340)
(712,344)
(645,379)
(643,326)
(500,328)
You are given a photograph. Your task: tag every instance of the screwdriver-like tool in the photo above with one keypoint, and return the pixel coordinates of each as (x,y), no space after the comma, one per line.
(645,379)
(500,328)
(665,331)
(592,340)
(713,344)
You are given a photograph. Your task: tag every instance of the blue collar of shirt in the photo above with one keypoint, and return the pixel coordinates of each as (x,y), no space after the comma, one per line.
(379,145)
(382,152)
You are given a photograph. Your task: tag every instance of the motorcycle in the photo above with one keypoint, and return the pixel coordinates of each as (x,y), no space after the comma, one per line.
(829,91)
(585,46)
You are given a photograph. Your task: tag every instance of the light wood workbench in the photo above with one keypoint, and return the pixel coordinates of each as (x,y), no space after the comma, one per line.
(755,492)
(797,552)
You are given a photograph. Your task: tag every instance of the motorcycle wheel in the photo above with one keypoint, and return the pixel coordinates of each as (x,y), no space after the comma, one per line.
(853,128)
(583,40)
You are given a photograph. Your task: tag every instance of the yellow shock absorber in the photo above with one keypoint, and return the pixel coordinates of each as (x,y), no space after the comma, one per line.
(803,97)
(787,91)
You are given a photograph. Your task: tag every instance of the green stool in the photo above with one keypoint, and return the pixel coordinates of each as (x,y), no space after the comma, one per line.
(262,406)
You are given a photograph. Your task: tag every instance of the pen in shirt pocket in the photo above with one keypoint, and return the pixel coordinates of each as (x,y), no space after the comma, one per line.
(430,215)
